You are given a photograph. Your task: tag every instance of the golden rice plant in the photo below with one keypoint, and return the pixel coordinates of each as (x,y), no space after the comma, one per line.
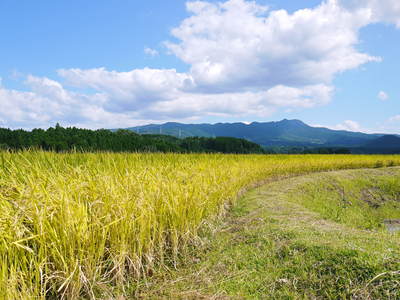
(79,225)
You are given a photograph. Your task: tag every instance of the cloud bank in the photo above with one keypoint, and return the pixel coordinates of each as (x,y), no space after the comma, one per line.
(243,61)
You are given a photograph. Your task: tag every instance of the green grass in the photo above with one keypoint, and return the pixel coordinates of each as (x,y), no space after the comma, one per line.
(272,247)
(361,200)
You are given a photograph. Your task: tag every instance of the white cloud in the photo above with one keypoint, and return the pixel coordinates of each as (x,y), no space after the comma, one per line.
(151,52)
(391,125)
(383,95)
(167,93)
(127,91)
(238,44)
(261,104)
(48,103)
(394,119)
(244,61)
(378,10)
(347,125)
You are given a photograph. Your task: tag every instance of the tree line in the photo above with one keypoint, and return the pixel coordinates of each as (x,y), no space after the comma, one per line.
(307,150)
(62,139)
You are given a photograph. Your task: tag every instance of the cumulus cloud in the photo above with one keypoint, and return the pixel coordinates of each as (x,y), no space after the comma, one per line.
(167,93)
(240,44)
(348,125)
(151,52)
(387,11)
(244,60)
(127,91)
(383,95)
(261,104)
(48,103)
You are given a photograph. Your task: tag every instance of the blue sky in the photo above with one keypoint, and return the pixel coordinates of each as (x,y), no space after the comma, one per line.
(106,64)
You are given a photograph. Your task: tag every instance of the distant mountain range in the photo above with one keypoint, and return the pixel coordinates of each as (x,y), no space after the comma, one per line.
(383,144)
(285,133)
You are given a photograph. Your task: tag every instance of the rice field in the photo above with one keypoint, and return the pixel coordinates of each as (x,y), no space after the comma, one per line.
(84,225)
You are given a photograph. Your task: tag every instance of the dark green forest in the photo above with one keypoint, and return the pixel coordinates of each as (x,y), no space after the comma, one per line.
(75,139)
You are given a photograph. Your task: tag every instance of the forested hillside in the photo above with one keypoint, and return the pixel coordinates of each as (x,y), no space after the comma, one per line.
(284,133)
(66,139)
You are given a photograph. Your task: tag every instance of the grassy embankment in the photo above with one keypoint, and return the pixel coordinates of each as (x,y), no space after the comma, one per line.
(318,236)
(97,225)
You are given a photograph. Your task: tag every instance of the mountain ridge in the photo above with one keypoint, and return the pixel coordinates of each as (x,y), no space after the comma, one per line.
(268,134)
(387,144)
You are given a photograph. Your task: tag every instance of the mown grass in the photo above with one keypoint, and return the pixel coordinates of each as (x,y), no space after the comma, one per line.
(97,225)
(360,200)
(272,247)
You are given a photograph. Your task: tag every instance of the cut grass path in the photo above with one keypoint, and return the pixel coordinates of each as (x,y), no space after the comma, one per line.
(270,247)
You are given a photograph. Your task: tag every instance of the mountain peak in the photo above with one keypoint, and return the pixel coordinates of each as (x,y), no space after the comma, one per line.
(294,122)
(279,133)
